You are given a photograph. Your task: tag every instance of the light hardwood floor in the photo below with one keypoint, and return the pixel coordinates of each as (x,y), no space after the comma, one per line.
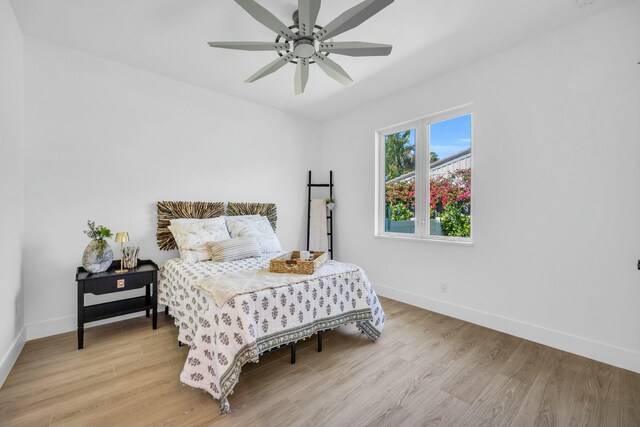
(426,369)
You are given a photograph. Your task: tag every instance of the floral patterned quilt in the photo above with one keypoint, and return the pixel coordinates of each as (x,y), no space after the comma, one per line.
(223,339)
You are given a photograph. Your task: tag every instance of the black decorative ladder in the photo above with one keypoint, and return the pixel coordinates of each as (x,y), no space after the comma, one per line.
(310,186)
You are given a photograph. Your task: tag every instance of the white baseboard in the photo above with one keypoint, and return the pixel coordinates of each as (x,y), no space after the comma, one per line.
(45,328)
(613,355)
(12,354)
(61,325)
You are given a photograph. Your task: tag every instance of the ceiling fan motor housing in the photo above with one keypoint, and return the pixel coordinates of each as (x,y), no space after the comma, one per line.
(304,48)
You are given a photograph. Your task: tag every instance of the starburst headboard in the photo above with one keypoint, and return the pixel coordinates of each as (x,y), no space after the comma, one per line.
(173,210)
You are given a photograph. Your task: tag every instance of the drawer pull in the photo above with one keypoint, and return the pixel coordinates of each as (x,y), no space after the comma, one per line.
(120,284)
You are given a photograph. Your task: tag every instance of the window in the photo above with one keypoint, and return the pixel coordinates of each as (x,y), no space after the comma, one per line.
(399,173)
(424,178)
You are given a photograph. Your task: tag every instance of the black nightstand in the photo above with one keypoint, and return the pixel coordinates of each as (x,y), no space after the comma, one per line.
(144,275)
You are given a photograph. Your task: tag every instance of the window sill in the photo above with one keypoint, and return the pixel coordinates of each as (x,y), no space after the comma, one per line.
(424,239)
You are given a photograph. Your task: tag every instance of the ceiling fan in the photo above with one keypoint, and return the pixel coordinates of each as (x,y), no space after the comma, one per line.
(305,43)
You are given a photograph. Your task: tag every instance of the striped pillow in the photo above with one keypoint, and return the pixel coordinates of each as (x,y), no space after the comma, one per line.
(234,249)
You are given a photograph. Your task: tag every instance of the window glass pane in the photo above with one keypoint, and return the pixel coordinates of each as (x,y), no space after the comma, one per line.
(450,177)
(400,185)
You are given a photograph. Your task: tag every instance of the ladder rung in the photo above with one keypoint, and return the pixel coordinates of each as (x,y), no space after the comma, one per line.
(320,185)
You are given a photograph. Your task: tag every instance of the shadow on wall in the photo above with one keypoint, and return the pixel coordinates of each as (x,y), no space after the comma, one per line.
(19,311)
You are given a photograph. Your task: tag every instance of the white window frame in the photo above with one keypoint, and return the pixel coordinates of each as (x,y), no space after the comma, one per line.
(422,225)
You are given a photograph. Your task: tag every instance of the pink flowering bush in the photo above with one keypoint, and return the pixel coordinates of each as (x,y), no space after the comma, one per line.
(450,200)
(400,199)
(451,188)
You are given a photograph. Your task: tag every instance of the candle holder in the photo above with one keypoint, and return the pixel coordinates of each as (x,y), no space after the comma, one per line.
(130,256)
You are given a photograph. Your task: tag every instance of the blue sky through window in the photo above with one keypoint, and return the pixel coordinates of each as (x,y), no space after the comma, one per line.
(450,136)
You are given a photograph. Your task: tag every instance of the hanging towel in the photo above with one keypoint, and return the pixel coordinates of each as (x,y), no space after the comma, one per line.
(318,240)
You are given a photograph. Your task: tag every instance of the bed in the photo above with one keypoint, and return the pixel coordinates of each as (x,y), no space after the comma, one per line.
(225,333)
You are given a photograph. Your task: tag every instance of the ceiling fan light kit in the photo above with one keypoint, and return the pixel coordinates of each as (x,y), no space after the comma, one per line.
(305,43)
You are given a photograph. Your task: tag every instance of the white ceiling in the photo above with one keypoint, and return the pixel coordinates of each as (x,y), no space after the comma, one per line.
(168,37)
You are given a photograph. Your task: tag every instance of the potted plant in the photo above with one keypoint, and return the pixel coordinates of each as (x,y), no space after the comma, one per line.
(330,203)
(97,256)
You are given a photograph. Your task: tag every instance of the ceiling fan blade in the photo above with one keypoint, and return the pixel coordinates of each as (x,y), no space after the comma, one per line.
(302,75)
(307,15)
(250,45)
(356,48)
(270,68)
(266,18)
(332,69)
(352,18)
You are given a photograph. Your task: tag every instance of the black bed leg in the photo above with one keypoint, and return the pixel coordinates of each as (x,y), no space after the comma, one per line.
(166,310)
(180,343)
(319,341)
(293,353)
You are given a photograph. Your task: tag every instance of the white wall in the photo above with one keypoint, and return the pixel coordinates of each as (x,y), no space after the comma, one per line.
(556,191)
(106,142)
(11,189)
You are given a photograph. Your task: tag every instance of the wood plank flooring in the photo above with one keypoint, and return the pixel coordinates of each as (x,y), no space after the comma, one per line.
(426,369)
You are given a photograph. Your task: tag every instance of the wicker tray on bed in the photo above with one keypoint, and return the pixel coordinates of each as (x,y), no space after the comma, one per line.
(291,263)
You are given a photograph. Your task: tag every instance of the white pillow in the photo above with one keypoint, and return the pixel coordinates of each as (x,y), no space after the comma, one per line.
(256,226)
(235,249)
(192,238)
(183,221)
(243,216)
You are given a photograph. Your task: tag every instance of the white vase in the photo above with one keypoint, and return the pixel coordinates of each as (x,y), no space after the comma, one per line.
(97,256)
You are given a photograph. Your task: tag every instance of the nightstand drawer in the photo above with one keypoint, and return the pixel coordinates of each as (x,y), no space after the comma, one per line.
(117,283)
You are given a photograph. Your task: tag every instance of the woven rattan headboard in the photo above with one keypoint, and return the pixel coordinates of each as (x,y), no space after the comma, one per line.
(265,209)
(172,210)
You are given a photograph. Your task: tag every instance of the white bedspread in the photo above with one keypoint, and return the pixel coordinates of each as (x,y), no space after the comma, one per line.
(223,338)
(223,287)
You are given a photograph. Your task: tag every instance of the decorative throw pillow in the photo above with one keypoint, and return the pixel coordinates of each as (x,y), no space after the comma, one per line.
(192,238)
(237,217)
(234,249)
(256,226)
(183,221)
